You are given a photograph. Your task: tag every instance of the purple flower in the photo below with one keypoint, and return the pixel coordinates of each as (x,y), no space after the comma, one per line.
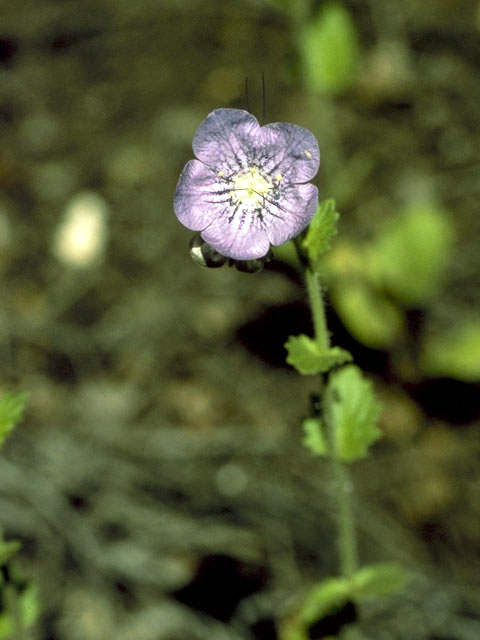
(249,187)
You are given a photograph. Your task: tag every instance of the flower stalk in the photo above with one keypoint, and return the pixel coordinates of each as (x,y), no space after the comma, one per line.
(317,308)
(343,487)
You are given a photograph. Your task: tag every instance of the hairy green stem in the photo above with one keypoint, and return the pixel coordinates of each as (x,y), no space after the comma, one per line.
(346,540)
(317,308)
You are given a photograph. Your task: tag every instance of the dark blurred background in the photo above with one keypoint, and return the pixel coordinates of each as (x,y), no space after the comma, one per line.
(158,483)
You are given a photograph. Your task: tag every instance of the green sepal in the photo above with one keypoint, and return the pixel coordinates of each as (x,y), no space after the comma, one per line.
(309,358)
(11,412)
(352,410)
(314,436)
(320,231)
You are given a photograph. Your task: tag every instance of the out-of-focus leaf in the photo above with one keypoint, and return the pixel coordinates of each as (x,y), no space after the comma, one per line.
(329,50)
(454,353)
(352,410)
(412,253)
(28,606)
(379,580)
(314,436)
(321,230)
(332,593)
(370,317)
(344,261)
(309,358)
(329,594)
(11,412)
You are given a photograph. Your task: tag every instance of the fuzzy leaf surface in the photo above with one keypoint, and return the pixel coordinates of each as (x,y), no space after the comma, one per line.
(321,230)
(352,409)
(309,358)
(314,436)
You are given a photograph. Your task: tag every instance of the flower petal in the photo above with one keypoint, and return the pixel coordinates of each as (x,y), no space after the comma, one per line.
(225,138)
(240,235)
(298,205)
(200,196)
(290,151)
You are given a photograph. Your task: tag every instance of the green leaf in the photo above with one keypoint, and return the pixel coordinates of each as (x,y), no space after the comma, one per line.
(379,580)
(370,317)
(333,593)
(329,50)
(454,353)
(308,357)
(326,596)
(353,410)
(11,412)
(320,231)
(412,253)
(314,437)
(28,604)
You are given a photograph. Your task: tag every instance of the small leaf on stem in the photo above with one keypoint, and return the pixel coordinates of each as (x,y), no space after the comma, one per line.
(321,230)
(309,358)
(352,410)
(314,437)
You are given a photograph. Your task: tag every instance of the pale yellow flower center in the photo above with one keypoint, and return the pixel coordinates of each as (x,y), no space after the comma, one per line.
(250,187)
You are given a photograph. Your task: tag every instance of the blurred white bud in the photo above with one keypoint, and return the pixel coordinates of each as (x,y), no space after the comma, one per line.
(81,236)
(231,479)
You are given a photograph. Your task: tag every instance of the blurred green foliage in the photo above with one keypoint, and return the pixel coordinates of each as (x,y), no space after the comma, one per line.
(454,352)
(372,318)
(11,412)
(7,549)
(411,253)
(329,50)
(404,266)
(19,603)
(22,608)
(371,581)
